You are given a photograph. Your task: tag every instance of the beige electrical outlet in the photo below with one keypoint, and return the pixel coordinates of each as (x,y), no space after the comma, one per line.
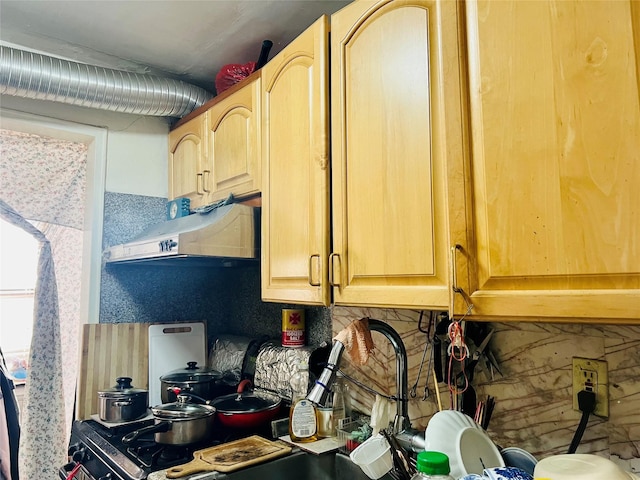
(591,375)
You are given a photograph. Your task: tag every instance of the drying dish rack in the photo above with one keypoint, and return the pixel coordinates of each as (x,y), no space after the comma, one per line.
(350,433)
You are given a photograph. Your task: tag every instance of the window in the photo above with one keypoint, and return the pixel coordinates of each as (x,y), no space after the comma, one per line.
(19,264)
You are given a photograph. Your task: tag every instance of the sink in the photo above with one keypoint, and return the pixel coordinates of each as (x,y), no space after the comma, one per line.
(304,466)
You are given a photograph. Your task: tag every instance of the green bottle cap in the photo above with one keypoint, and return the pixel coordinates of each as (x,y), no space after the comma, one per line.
(433,463)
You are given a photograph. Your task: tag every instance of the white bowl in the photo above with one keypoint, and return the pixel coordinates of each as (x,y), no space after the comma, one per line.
(373,456)
(469,448)
(580,467)
(517,457)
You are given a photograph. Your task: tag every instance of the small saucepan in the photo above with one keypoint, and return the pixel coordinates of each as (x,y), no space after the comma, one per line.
(246,410)
(122,403)
(178,423)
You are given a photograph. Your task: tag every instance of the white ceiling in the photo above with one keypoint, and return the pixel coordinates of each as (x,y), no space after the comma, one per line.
(186,39)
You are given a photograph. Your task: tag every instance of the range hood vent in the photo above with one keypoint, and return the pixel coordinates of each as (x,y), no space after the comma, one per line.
(227,234)
(32,75)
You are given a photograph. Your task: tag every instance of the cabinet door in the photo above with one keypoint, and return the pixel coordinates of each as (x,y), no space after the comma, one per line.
(295,190)
(187,162)
(555,165)
(395,100)
(234,144)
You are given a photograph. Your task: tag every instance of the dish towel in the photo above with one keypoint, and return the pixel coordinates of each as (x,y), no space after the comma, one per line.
(381,414)
(356,338)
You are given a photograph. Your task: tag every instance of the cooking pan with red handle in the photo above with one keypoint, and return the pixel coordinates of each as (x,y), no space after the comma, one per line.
(246,410)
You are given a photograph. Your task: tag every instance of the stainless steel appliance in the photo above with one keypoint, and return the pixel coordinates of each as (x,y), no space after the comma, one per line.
(98,453)
(226,233)
(97,450)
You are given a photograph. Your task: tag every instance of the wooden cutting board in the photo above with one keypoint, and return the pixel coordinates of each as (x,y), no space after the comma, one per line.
(109,351)
(231,456)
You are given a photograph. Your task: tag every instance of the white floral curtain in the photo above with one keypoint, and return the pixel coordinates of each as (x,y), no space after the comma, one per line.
(42,190)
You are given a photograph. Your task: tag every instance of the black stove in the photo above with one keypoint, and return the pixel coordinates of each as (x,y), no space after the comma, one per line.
(103,456)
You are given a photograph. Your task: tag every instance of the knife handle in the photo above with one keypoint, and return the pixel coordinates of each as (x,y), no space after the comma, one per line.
(264,54)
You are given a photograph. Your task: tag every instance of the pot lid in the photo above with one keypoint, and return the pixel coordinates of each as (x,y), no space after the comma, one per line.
(246,402)
(182,409)
(122,389)
(192,373)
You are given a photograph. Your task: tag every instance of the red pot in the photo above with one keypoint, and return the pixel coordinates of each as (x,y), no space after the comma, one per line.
(246,410)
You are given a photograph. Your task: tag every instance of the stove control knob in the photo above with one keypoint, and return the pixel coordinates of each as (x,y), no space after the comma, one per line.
(167,245)
(79,455)
(73,449)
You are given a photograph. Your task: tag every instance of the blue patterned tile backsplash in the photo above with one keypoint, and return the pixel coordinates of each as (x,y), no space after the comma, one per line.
(226,299)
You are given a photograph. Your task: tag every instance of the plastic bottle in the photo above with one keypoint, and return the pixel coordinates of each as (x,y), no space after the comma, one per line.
(432,466)
(303,417)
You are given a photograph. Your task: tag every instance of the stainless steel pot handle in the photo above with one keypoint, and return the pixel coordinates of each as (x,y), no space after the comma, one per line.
(159,427)
(178,390)
(193,396)
(122,403)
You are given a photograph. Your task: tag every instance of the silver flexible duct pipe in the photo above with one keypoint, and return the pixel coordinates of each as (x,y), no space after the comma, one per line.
(31,75)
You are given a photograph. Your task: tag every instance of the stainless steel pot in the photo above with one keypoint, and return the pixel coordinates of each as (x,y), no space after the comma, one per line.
(178,423)
(123,402)
(202,382)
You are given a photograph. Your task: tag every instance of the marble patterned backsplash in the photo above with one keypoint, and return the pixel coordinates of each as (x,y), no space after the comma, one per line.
(533,407)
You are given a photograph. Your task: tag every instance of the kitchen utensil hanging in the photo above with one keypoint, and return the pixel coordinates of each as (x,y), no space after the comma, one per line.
(413,390)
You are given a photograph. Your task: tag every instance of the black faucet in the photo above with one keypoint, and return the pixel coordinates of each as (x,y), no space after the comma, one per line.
(407,436)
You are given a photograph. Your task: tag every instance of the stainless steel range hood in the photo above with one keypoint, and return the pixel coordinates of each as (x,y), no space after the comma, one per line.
(228,233)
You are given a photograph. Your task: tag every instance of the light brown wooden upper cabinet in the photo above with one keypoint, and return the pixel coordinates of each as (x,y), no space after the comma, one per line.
(233,143)
(187,162)
(217,152)
(295,187)
(395,110)
(554,165)
(509,129)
